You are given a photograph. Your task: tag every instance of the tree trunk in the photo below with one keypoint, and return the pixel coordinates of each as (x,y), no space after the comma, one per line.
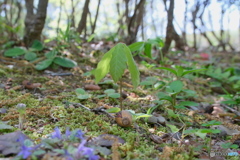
(194,17)
(60,16)
(72,17)
(34,23)
(83,22)
(171,33)
(135,21)
(202,28)
(185,23)
(96,17)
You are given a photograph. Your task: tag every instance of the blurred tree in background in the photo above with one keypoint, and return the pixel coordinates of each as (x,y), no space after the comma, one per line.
(189,24)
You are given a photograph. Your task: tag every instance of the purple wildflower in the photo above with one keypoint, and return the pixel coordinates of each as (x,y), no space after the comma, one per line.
(79,134)
(67,155)
(86,152)
(68,132)
(21,139)
(25,152)
(57,133)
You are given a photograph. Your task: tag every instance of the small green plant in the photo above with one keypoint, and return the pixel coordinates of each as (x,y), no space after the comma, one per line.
(229,76)
(21,108)
(81,94)
(109,93)
(152,82)
(210,131)
(172,90)
(65,37)
(4,127)
(53,58)
(232,99)
(115,61)
(49,58)
(145,48)
(229,145)
(202,133)
(179,71)
(29,54)
(62,145)
(136,116)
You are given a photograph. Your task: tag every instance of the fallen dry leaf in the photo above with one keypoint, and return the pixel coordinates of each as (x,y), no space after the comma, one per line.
(92,87)
(29,85)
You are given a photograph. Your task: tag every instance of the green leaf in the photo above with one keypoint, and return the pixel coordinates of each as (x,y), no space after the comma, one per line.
(132,67)
(189,92)
(108,91)
(101,96)
(51,54)
(163,96)
(188,131)
(226,74)
(179,71)
(234,78)
(176,86)
(44,64)
(172,114)
(179,107)
(28,143)
(161,43)
(30,56)
(200,134)
(87,74)
(146,83)
(137,46)
(118,62)
(103,66)
(80,91)
(84,96)
(229,145)
(38,152)
(113,110)
(142,115)
(81,94)
(14,52)
(65,62)
(5,126)
(114,95)
(173,128)
(151,109)
(229,102)
(168,69)
(188,103)
(107,81)
(211,123)
(210,131)
(91,37)
(36,46)
(190,71)
(148,50)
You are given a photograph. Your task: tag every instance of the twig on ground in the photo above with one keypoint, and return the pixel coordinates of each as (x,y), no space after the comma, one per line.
(231,109)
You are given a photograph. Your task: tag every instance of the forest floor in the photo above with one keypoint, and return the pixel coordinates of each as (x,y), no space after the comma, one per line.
(204,126)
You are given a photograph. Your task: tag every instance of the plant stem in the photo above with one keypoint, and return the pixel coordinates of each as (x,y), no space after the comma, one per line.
(21,121)
(174,102)
(121,105)
(210,144)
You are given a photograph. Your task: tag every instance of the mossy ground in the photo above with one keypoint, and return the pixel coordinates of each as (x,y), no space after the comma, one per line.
(46,109)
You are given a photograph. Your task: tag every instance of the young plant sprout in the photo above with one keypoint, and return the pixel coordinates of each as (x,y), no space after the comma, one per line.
(115,62)
(21,108)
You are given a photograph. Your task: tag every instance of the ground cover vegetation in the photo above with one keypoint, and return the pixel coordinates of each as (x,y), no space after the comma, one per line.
(76,99)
